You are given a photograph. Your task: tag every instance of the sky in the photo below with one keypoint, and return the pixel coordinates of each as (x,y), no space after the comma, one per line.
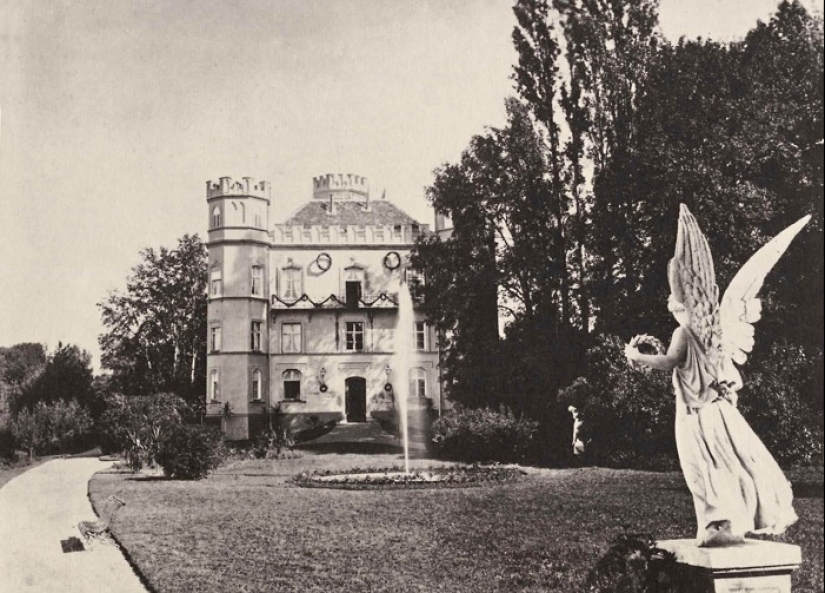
(113,115)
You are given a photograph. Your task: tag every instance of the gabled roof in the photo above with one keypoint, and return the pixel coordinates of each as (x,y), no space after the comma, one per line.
(351,213)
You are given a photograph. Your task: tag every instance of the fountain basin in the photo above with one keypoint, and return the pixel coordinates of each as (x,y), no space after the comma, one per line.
(398,479)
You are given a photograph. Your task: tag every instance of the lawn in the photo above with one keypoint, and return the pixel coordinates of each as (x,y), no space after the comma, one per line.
(247,528)
(8,473)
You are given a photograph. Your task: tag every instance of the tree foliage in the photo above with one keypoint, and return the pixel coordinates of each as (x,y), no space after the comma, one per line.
(156,338)
(568,213)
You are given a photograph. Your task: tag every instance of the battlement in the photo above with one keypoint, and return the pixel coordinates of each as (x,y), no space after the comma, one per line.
(340,186)
(247,186)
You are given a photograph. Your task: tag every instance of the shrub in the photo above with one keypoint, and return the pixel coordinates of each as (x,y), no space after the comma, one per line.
(483,435)
(50,428)
(772,401)
(190,452)
(627,413)
(136,425)
(272,444)
(633,564)
(8,445)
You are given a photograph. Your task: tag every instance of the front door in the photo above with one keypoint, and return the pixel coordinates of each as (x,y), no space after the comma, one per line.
(356,397)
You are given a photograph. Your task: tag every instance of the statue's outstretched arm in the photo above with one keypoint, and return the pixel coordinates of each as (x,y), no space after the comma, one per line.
(675,355)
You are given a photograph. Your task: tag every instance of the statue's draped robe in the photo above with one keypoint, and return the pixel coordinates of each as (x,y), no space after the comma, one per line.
(730,473)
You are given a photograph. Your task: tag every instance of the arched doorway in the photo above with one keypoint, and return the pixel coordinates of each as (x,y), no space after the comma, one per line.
(356,399)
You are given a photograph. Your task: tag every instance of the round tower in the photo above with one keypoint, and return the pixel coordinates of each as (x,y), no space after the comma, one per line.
(238,243)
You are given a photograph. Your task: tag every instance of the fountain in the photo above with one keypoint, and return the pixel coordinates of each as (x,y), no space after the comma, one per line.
(393,478)
(401,365)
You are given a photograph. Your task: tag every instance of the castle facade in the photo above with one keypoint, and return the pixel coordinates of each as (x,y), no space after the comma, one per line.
(302,315)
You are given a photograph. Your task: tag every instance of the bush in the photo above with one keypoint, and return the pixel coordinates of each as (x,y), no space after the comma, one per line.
(773,403)
(50,428)
(190,452)
(136,425)
(8,444)
(627,414)
(272,444)
(483,435)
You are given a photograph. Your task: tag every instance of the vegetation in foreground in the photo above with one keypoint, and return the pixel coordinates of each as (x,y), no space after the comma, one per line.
(248,528)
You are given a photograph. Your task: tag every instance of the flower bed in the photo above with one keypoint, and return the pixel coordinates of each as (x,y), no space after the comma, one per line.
(396,478)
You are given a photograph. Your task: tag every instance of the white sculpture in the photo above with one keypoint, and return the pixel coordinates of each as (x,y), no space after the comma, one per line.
(737,486)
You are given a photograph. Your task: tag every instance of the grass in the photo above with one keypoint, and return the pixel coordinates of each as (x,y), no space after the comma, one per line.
(8,472)
(248,528)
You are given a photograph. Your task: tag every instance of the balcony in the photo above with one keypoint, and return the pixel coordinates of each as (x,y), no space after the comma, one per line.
(367,301)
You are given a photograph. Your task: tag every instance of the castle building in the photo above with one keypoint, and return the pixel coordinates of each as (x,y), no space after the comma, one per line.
(302,315)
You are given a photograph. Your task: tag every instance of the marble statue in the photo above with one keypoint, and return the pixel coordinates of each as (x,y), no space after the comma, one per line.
(737,486)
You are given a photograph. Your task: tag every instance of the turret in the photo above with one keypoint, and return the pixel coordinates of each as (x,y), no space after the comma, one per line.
(238,204)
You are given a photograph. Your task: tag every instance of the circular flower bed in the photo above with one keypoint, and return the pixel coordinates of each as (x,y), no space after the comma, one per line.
(396,478)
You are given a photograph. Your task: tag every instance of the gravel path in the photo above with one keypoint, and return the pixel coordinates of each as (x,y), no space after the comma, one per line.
(40,508)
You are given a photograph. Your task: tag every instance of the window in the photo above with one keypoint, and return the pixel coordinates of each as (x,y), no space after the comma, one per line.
(361,234)
(324,234)
(290,283)
(256,384)
(257,281)
(214,385)
(215,338)
(255,335)
(216,217)
(290,337)
(292,385)
(420,335)
(353,282)
(418,382)
(257,220)
(215,284)
(354,334)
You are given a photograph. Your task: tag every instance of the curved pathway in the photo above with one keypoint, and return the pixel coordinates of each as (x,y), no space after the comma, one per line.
(40,508)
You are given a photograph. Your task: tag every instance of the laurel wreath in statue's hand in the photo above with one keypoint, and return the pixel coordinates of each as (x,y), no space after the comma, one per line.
(642,344)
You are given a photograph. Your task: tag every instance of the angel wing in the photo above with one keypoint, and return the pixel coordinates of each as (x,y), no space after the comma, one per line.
(693,282)
(740,307)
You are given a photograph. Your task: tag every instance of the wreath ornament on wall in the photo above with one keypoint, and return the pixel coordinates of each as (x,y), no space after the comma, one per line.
(323,261)
(392,260)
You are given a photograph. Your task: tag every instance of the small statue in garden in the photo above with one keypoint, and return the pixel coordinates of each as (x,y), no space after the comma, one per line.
(737,486)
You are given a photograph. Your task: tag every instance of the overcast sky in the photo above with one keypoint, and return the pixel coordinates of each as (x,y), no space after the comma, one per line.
(113,114)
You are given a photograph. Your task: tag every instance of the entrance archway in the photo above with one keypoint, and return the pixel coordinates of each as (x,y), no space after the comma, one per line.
(356,399)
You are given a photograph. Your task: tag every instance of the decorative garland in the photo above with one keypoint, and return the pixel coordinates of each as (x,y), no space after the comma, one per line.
(305,299)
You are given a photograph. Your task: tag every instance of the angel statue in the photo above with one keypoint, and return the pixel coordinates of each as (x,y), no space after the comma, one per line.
(736,484)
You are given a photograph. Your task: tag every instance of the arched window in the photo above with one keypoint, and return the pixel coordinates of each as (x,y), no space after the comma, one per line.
(216,217)
(214,385)
(256,384)
(292,385)
(418,382)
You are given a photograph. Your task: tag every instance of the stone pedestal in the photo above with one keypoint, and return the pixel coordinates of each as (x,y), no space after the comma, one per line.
(751,567)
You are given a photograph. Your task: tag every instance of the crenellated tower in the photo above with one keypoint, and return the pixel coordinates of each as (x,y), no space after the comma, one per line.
(237,365)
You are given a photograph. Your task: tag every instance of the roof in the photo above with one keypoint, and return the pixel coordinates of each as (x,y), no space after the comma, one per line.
(351,213)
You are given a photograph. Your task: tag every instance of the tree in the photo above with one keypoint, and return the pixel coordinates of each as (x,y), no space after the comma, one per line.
(67,376)
(611,45)
(156,339)
(20,365)
(49,428)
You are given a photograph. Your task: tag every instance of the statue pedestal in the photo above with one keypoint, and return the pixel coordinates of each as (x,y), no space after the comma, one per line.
(751,567)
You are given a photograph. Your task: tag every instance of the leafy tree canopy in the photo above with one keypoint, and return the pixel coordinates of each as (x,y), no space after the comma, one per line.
(156,338)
